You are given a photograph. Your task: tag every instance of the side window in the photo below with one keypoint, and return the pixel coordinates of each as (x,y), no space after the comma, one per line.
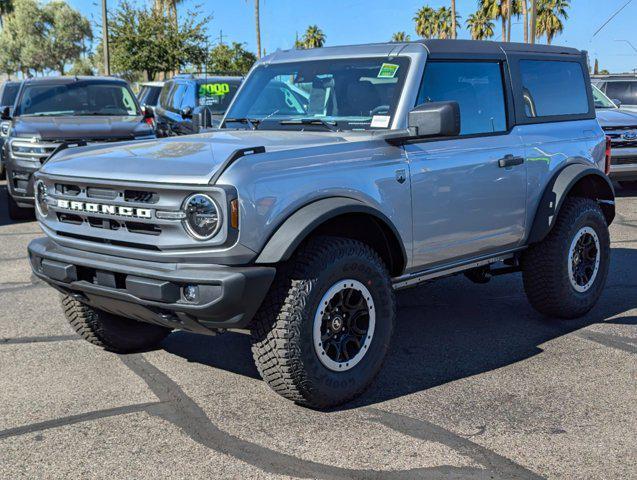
(189,99)
(176,96)
(476,86)
(553,88)
(164,96)
(625,92)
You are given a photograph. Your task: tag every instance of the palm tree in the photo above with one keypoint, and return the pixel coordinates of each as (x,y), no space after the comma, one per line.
(525,15)
(443,22)
(480,26)
(168,7)
(501,10)
(6,7)
(550,14)
(454,30)
(314,37)
(533,22)
(424,19)
(400,37)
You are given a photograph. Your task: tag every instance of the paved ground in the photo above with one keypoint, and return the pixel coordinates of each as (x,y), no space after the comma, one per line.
(477,386)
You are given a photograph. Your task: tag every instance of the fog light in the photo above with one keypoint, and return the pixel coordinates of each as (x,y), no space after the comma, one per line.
(191,292)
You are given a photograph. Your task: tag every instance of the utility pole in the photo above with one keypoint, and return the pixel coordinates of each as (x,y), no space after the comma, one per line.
(220,37)
(107,61)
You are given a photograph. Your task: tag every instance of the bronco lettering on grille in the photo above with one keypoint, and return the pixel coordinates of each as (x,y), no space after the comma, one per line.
(104,209)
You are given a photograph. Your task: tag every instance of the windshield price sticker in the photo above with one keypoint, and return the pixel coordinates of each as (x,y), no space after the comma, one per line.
(388,70)
(214,89)
(380,121)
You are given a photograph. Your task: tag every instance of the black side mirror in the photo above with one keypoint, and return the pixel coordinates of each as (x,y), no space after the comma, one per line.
(6,113)
(435,119)
(617,102)
(186,113)
(148,111)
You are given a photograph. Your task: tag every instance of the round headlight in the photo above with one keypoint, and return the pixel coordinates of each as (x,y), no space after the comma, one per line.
(203,217)
(41,198)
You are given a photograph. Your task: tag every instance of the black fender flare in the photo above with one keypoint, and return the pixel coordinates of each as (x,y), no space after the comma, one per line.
(304,221)
(590,180)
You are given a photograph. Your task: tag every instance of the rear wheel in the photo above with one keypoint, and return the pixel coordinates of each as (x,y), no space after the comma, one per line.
(564,275)
(323,332)
(111,332)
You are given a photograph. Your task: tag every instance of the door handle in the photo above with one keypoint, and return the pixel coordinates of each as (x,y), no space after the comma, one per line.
(510,161)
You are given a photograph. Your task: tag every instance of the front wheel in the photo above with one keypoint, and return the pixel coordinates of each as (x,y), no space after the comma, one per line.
(564,275)
(323,332)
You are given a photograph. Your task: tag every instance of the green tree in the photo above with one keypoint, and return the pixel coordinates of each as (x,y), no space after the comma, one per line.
(480,26)
(550,18)
(144,40)
(231,59)
(432,23)
(6,7)
(22,38)
(501,10)
(66,36)
(82,66)
(400,37)
(314,37)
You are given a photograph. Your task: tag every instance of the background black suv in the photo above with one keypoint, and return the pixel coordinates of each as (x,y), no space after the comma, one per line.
(187,96)
(59,112)
(8,92)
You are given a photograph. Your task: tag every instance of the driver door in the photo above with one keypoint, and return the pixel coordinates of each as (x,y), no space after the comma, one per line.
(468,192)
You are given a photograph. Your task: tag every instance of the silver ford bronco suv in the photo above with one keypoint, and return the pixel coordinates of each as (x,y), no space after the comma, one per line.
(339,175)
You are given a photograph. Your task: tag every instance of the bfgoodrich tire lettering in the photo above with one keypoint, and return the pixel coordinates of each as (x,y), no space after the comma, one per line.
(282,333)
(547,266)
(111,332)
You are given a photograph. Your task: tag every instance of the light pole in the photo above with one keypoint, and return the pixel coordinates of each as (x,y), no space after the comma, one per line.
(107,63)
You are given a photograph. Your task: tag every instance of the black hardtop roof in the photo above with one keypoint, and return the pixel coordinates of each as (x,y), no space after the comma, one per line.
(70,79)
(435,46)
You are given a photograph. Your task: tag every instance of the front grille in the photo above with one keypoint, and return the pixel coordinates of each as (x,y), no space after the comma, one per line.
(117,243)
(618,136)
(623,160)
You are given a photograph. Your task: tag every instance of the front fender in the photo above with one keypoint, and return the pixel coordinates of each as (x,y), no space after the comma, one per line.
(300,224)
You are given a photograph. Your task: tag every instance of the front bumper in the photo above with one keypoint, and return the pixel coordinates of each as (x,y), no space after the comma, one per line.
(227,297)
(20,180)
(623,165)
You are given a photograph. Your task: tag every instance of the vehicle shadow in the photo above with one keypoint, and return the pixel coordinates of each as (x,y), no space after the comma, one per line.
(621,191)
(4,210)
(445,331)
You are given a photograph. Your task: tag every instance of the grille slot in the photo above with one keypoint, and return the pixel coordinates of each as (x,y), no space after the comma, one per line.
(140,196)
(70,218)
(117,243)
(143,228)
(101,193)
(70,190)
(104,223)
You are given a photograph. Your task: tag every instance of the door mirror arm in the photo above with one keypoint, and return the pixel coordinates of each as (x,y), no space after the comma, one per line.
(429,120)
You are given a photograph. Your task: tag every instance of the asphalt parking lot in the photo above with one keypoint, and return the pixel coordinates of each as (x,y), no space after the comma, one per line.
(477,386)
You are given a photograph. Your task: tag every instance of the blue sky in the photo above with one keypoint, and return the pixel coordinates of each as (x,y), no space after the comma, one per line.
(361,21)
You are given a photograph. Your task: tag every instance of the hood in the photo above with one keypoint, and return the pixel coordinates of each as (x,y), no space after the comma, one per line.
(185,160)
(614,117)
(79,127)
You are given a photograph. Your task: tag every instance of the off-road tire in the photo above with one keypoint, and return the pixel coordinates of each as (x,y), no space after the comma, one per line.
(111,332)
(16,212)
(282,332)
(545,264)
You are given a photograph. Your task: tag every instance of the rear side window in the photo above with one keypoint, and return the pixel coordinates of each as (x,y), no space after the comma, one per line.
(553,88)
(625,92)
(476,86)
(9,93)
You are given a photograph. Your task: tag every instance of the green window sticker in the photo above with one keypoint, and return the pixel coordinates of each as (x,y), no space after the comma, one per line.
(388,70)
(213,89)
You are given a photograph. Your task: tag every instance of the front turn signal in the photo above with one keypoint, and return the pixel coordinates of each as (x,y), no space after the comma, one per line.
(234,214)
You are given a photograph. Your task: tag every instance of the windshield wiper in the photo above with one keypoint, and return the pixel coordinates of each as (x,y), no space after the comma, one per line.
(330,125)
(253,123)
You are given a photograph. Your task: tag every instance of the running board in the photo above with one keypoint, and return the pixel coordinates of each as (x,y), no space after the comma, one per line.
(413,279)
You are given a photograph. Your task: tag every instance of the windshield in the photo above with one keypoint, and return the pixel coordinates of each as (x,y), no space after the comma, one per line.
(348,94)
(601,100)
(9,93)
(217,95)
(77,98)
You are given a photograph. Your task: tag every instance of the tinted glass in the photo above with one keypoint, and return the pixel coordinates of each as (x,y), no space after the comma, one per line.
(149,95)
(176,97)
(553,88)
(217,95)
(625,92)
(476,86)
(9,93)
(77,98)
(354,93)
(166,92)
(189,99)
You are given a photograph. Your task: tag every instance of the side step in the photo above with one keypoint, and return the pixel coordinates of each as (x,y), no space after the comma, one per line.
(416,278)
